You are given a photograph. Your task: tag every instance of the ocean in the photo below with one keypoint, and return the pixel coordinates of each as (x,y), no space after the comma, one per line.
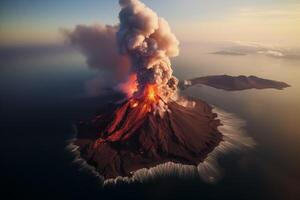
(43,95)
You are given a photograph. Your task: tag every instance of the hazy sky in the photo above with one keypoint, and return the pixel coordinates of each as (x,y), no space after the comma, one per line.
(265,21)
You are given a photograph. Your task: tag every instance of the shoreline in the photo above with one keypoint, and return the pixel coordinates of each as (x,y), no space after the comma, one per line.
(234,139)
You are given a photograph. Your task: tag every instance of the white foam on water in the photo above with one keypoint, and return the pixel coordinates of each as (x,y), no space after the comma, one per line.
(234,139)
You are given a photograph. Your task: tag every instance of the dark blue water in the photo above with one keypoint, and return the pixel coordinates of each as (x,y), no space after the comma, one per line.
(42,97)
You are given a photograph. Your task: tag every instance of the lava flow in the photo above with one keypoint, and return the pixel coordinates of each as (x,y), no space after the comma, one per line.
(129,136)
(129,116)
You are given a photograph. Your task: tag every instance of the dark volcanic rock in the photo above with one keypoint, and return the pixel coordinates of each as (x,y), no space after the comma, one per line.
(232,83)
(184,135)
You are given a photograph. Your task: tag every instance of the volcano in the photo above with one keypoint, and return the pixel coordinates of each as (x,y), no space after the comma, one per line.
(152,125)
(127,137)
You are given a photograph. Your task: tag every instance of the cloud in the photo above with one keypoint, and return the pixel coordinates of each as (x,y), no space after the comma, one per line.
(247,48)
(272,53)
(98,44)
(229,53)
(150,43)
(141,46)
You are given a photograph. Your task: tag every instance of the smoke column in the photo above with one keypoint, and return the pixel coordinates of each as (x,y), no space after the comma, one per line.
(137,51)
(99,46)
(149,42)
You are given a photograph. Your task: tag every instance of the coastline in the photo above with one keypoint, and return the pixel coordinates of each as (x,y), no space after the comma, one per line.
(234,139)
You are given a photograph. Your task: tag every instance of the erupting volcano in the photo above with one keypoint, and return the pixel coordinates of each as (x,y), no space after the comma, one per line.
(152,124)
(129,136)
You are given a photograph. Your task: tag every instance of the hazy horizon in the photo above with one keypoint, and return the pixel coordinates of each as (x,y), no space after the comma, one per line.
(266,22)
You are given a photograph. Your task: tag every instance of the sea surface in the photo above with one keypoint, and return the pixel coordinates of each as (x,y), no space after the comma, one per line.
(43,95)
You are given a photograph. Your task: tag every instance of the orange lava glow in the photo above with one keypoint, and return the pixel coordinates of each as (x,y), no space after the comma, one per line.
(149,98)
(151,94)
(130,86)
(126,121)
(130,116)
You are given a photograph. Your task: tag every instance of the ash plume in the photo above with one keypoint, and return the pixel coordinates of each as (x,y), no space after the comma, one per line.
(99,45)
(148,41)
(140,46)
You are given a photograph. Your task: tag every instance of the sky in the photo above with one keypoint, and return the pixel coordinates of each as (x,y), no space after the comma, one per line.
(275,22)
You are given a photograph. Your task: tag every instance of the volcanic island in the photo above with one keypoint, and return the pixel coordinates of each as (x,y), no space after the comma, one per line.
(152,123)
(128,136)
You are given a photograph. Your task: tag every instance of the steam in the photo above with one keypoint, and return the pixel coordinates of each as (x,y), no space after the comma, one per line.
(148,41)
(98,44)
(141,45)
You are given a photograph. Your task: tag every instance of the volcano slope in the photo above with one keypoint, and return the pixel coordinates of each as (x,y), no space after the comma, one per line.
(123,138)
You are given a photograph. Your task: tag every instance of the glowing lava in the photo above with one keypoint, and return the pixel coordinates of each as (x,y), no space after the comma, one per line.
(130,116)
(130,86)
(133,112)
(151,94)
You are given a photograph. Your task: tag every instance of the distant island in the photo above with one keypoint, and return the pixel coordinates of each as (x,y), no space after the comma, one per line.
(233,83)
(229,53)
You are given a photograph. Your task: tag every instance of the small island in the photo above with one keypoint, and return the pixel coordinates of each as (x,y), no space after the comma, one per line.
(234,83)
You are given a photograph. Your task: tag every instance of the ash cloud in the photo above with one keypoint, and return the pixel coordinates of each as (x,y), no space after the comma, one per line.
(98,44)
(141,44)
(149,42)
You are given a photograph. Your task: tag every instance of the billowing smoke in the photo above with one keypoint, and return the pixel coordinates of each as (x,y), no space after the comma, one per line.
(139,47)
(149,42)
(98,44)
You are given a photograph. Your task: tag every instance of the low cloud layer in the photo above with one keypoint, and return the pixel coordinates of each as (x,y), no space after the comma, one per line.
(247,48)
